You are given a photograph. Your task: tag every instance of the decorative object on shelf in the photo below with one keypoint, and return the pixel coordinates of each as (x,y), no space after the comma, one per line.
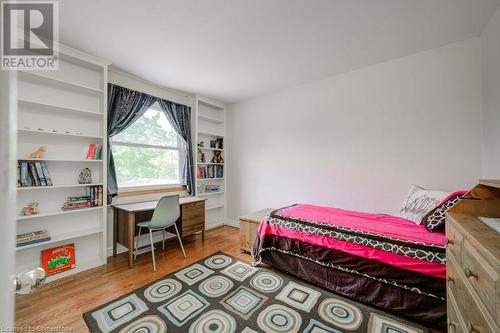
(201,156)
(32,238)
(39,153)
(217,143)
(217,157)
(201,144)
(212,188)
(58,259)
(85,176)
(31,209)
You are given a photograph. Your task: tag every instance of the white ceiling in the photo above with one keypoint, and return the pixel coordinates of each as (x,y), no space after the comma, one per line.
(233,50)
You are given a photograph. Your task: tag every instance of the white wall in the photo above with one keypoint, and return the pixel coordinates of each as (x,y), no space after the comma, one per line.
(491,97)
(360,139)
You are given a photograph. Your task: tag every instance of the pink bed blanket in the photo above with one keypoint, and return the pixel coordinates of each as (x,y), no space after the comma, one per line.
(386,239)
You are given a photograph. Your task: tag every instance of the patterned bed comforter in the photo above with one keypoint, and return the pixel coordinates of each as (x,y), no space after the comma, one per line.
(381,247)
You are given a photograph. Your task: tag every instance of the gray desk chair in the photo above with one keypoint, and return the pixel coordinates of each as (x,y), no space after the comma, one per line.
(165,215)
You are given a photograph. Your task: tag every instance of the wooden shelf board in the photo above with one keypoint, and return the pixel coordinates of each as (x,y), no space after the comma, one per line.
(210,134)
(46,78)
(210,193)
(59,212)
(61,109)
(30,131)
(205,148)
(57,186)
(210,119)
(205,163)
(63,237)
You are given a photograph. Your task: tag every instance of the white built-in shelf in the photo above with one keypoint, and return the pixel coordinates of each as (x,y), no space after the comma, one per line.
(61,108)
(210,134)
(57,186)
(215,206)
(58,212)
(205,148)
(49,132)
(63,237)
(203,179)
(58,160)
(211,119)
(208,163)
(63,83)
(210,193)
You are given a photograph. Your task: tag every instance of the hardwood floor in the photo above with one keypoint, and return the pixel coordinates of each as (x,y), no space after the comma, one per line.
(61,303)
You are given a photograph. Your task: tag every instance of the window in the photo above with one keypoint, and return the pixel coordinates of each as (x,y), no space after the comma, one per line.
(149,153)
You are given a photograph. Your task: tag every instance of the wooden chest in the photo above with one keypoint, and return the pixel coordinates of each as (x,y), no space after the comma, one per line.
(473,262)
(248,228)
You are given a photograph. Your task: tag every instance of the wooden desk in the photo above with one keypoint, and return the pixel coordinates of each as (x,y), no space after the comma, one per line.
(125,216)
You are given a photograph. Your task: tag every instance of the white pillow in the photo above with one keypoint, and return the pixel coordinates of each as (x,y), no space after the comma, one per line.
(420,202)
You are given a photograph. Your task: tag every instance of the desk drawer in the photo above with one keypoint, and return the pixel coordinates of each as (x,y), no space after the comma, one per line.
(193,218)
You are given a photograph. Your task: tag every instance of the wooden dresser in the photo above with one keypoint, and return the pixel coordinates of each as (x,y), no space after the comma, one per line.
(248,228)
(473,262)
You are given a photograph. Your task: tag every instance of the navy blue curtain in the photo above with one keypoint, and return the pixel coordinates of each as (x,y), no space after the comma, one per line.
(125,106)
(179,117)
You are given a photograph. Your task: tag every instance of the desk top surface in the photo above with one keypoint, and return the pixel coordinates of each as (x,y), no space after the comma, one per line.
(150,205)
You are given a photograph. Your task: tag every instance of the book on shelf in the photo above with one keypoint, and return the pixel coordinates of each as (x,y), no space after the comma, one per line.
(58,259)
(212,188)
(32,238)
(93,198)
(33,174)
(94,152)
(210,171)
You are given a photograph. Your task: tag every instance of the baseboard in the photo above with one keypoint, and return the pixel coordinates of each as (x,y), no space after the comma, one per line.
(232,223)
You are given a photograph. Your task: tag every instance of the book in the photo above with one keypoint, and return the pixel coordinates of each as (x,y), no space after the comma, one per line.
(32,238)
(99,197)
(39,171)
(58,259)
(91,151)
(24,173)
(19,184)
(98,150)
(46,173)
(33,174)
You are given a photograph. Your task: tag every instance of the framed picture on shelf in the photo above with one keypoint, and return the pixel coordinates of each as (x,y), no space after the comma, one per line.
(58,259)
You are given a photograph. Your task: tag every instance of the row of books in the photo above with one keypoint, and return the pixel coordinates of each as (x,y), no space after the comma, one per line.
(210,171)
(93,198)
(94,152)
(32,238)
(33,174)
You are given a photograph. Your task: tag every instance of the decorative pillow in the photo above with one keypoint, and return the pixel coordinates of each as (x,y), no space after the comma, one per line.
(420,202)
(434,221)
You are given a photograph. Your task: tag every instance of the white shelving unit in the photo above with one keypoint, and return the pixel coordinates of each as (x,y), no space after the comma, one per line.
(65,111)
(210,125)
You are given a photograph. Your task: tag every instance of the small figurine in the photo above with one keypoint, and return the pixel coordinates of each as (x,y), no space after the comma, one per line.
(201,156)
(85,176)
(39,153)
(217,157)
(31,209)
(201,144)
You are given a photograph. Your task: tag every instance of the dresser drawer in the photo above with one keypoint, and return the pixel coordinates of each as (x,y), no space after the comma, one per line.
(454,241)
(455,321)
(474,320)
(483,278)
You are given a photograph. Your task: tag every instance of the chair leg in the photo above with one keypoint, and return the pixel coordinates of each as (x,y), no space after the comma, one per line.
(180,241)
(137,243)
(163,231)
(152,249)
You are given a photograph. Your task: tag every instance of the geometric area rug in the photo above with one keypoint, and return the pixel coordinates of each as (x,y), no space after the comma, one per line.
(223,294)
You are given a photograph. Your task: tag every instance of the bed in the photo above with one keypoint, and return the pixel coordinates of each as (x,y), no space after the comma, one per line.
(382,260)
